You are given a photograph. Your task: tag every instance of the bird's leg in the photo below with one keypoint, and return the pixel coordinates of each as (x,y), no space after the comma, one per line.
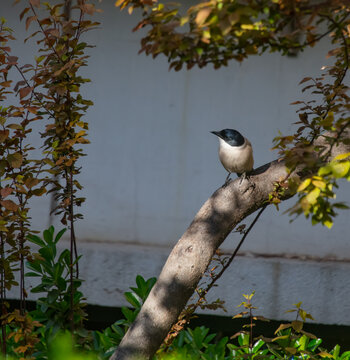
(243,177)
(227,179)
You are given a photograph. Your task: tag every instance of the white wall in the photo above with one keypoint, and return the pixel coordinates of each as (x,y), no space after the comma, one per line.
(152,163)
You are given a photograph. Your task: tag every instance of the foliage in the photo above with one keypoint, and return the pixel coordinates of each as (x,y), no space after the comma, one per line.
(20,180)
(213,32)
(197,343)
(53,270)
(217,31)
(105,342)
(62,348)
(49,91)
(291,341)
(220,30)
(21,334)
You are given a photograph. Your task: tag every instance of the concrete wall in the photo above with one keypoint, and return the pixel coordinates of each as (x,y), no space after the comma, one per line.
(152,163)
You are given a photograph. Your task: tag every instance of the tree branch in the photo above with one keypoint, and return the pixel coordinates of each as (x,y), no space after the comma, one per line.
(189,259)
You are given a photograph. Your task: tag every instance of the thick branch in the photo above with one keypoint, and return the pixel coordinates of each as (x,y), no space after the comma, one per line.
(190,257)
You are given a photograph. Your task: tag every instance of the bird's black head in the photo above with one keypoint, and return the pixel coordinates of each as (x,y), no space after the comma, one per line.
(232,137)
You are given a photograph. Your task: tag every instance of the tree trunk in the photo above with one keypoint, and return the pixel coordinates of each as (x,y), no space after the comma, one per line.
(189,259)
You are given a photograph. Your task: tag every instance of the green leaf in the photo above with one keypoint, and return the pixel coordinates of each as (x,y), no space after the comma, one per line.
(48,235)
(342,156)
(328,223)
(59,235)
(57,270)
(132,299)
(38,289)
(118,330)
(35,240)
(129,314)
(340,169)
(47,254)
(61,284)
(32,274)
(258,345)
(34,266)
(65,256)
(304,184)
(52,296)
(243,339)
(312,196)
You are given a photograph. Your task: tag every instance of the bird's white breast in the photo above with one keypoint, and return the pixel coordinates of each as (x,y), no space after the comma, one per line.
(238,159)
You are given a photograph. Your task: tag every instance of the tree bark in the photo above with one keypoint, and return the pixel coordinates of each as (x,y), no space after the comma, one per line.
(189,259)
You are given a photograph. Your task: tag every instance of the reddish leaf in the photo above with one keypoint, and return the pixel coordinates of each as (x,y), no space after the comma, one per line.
(20,83)
(305,80)
(29,20)
(6,83)
(4,192)
(32,109)
(35,3)
(88,8)
(25,91)
(9,205)
(21,189)
(12,60)
(296,102)
(23,13)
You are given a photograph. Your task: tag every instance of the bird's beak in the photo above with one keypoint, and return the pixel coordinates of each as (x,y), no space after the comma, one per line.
(217,133)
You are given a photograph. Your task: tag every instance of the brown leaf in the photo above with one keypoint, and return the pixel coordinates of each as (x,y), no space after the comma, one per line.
(23,13)
(9,205)
(333,52)
(25,91)
(32,109)
(15,160)
(202,16)
(39,191)
(30,182)
(297,325)
(20,83)
(14,126)
(88,9)
(21,189)
(50,126)
(6,191)
(119,2)
(12,60)
(6,83)
(4,135)
(29,20)
(305,80)
(35,3)
(282,327)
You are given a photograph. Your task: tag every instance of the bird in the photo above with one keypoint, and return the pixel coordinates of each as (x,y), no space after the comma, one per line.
(235,152)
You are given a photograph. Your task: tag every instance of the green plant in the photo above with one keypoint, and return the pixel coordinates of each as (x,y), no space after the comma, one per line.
(105,342)
(198,344)
(53,270)
(48,90)
(291,342)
